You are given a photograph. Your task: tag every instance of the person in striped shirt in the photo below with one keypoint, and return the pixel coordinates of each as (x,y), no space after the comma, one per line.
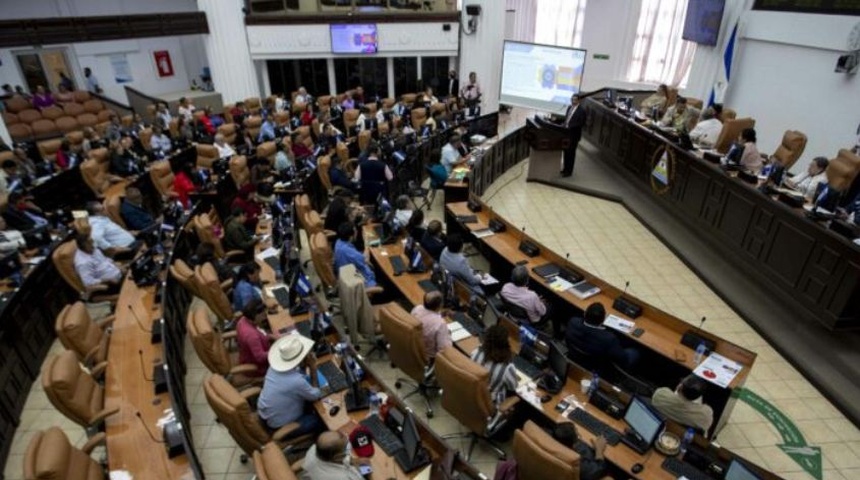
(495,355)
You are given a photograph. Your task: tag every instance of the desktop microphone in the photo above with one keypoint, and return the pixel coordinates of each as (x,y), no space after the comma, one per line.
(137,319)
(695,336)
(142,366)
(158,377)
(626,284)
(145,427)
(627,306)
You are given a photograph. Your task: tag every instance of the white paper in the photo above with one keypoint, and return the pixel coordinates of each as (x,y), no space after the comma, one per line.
(120,475)
(458,332)
(526,390)
(618,323)
(559,284)
(482,233)
(269,252)
(488,279)
(718,369)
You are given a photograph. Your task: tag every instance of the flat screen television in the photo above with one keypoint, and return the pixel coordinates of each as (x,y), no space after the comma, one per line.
(353,38)
(702,23)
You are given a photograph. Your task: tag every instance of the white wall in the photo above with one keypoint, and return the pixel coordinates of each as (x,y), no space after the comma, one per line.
(609,29)
(482,52)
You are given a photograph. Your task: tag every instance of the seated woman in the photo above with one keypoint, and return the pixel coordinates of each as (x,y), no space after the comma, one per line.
(808,181)
(253,341)
(751,159)
(658,99)
(495,355)
(403,213)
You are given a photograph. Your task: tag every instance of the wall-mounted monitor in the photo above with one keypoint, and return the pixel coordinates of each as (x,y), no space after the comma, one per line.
(354,38)
(542,77)
(702,23)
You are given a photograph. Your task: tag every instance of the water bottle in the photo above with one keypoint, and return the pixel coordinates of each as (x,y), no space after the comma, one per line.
(595,382)
(374,402)
(314,311)
(700,353)
(356,367)
(687,440)
(527,337)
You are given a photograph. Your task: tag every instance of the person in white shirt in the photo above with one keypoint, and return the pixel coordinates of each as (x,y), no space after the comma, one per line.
(471,92)
(428,96)
(808,181)
(707,131)
(94,268)
(360,121)
(302,96)
(224,149)
(186,109)
(403,213)
(163,114)
(10,240)
(92,81)
(107,235)
(159,141)
(280,103)
(329,458)
(451,157)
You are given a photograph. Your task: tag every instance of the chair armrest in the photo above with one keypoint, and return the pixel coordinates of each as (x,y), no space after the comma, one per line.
(227,336)
(100,417)
(93,442)
(88,358)
(508,405)
(106,321)
(98,370)
(284,431)
(329,234)
(245,369)
(233,253)
(371,291)
(227,284)
(250,393)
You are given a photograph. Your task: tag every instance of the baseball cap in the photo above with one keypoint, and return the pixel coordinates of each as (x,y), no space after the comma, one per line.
(362,441)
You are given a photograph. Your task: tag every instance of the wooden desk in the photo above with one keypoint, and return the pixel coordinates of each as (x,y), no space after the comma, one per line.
(129,445)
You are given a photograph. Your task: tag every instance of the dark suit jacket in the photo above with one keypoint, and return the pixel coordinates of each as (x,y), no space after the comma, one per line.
(576,122)
(455,88)
(433,245)
(601,343)
(136,218)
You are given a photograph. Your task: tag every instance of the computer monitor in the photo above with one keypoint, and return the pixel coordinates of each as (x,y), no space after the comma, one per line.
(739,471)
(557,361)
(642,420)
(357,398)
(410,437)
(416,260)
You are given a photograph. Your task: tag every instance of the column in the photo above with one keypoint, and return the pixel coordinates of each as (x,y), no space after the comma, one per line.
(4,133)
(481,51)
(233,72)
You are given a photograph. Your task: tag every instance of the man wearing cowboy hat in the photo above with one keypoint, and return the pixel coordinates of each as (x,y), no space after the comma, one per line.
(286,391)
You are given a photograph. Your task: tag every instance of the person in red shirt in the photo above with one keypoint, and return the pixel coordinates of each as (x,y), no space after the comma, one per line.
(308,115)
(183,185)
(253,341)
(244,200)
(206,120)
(65,157)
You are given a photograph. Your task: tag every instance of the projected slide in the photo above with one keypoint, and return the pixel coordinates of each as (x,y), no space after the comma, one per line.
(542,77)
(353,38)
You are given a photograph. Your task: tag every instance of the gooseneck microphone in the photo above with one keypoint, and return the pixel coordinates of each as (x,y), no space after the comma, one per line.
(146,427)
(137,319)
(143,367)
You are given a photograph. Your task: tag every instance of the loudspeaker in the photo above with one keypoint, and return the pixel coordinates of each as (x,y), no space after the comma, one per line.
(474,205)
(627,307)
(473,10)
(159,378)
(157,331)
(497,225)
(529,248)
(173,439)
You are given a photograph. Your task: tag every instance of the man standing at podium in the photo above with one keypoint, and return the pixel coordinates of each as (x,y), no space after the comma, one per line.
(574,120)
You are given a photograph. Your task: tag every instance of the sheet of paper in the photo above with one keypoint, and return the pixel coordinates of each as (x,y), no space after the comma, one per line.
(489,280)
(484,232)
(458,332)
(269,252)
(618,323)
(718,369)
(270,290)
(526,391)
(560,285)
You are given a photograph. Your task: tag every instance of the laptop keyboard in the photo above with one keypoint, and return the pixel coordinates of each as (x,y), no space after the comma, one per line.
(680,468)
(595,426)
(397,264)
(469,324)
(382,435)
(527,368)
(334,376)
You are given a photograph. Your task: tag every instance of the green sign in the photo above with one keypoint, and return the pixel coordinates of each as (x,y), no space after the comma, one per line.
(600,56)
(794,445)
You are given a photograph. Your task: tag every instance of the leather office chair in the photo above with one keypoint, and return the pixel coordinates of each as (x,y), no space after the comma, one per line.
(206,154)
(538,455)
(350,117)
(297,107)
(229,131)
(212,351)
(842,170)
(184,274)
(282,119)
(466,396)
(408,98)
(731,131)
(76,140)
(252,125)
(406,349)
(48,148)
(17,103)
(66,124)
(322,257)
(267,150)
(82,96)
(113,207)
(74,392)
(517,313)
(303,206)
(727,114)
(234,411)
(303,135)
(253,105)
(271,464)
(87,120)
(50,456)
(204,227)
(75,109)
(419,117)
(87,339)
(29,116)
(95,171)
(239,171)
(20,132)
(64,261)
(209,286)
(695,103)
(323,167)
(162,178)
(52,112)
(93,106)
(364,138)
(791,148)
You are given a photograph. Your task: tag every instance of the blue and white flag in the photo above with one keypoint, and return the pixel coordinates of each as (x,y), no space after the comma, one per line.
(303,285)
(719,89)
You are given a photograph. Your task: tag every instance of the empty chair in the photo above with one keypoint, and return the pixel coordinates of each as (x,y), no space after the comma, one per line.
(323,172)
(10,118)
(210,348)
(73,391)
(538,455)
(48,149)
(18,103)
(50,456)
(66,124)
(406,349)
(790,148)
(239,171)
(20,132)
(466,396)
(52,113)
(95,171)
(245,426)
(162,178)
(322,257)
(727,114)
(87,120)
(303,206)
(731,131)
(271,464)
(364,139)
(842,170)
(44,128)
(81,96)
(29,115)
(87,339)
(206,154)
(184,274)
(253,105)
(209,287)
(74,109)
(94,106)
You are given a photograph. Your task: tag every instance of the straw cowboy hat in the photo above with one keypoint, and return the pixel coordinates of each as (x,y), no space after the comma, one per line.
(289,351)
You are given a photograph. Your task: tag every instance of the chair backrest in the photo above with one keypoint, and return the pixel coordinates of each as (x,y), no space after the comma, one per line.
(842,170)
(404,335)
(71,390)
(207,342)
(18,103)
(52,112)
(50,456)
(229,132)
(727,114)
(184,274)
(350,116)
(271,464)
(239,170)
(322,170)
(74,109)
(408,98)
(253,104)
(323,259)
(204,227)
(20,132)
(342,152)
(48,148)
(78,332)
(64,261)
(465,389)
(162,177)
(731,131)
(419,116)
(364,138)
(206,154)
(267,150)
(113,205)
(313,222)
(29,115)
(209,286)
(538,455)
(233,412)
(252,125)
(76,140)
(791,148)
(303,206)
(94,170)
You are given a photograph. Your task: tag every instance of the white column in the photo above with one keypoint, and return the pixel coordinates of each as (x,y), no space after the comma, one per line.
(4,133)
(233,72)
(481,52)
(262,67)
(389,72)
(332,84)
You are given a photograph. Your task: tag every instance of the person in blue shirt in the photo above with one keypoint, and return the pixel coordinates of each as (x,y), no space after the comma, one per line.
(345,253)
(453,260)
(247,286)
(267,129)
(136,217)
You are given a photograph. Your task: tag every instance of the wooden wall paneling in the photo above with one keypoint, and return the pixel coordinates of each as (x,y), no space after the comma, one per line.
(790,249)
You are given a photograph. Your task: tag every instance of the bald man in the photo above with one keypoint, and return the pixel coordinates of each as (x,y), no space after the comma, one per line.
(136,217)
(328,459)
(433,327)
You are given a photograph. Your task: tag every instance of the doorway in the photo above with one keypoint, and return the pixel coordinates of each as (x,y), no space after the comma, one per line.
(43,67)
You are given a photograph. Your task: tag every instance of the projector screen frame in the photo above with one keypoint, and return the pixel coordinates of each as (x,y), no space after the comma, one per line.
(532,107)
(351,24)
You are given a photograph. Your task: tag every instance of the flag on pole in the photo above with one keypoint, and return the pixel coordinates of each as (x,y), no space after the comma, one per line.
(719,88)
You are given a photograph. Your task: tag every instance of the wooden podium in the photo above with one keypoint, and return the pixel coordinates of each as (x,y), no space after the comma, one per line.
(546,141)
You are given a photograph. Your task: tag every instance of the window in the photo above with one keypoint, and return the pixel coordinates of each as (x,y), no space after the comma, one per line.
(434,72)
(659,53)
(559,22)
(370,73)
(405,75)
(288,75)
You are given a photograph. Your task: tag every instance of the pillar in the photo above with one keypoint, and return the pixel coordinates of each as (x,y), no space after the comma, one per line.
(481,52)
(227,50)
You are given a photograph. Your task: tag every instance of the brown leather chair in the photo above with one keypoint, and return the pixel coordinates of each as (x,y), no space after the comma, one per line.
(316,127)
(322,257)
(538,455)
(204,227)
(323,171)
(303,206)
(87,339)
(670,98)
(94,106)
(297,108)
(173,128)
(95,171)
(303,135)
(695,103)
(212,351)
(234,411)
(229,131)
(253,104)
(66,124)
(408,98)
(206,155)
(76,140)
(18,103)
(50,456)
(731,131)
(209,286)
(727,114)
(282,119)
(239,171)
(73,391)
(252,125)
(350,116)
(403,333)
(74,109)
(162,178)
(388,104)
(29,116)
(791,148)
(48,149)
(842,170)
(466,396)
(20,132)
(364,138)
(342,152)
(419,116)
(81,96)
(145,136)
(113,209)
(271,464)
(267,150)
(44,128)
(437,107)
(87,120)
(52,113)
(10,118)
(64,261)
(184,274)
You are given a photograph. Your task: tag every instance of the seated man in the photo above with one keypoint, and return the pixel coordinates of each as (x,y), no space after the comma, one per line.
(329,458)
(108,236)
(684,405)
(434,329)
(518,293)
(345,253)
(707,131)
(451,157)
(247,286)
(808,181)
(236,236)
(453,260)
(94,268)
(287,394)
(133,214)
(679,116)
(338,177)
(434,240)
(124,162)
(159,141)
(590,336)
(403,213)
(10,240)
(592,464)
